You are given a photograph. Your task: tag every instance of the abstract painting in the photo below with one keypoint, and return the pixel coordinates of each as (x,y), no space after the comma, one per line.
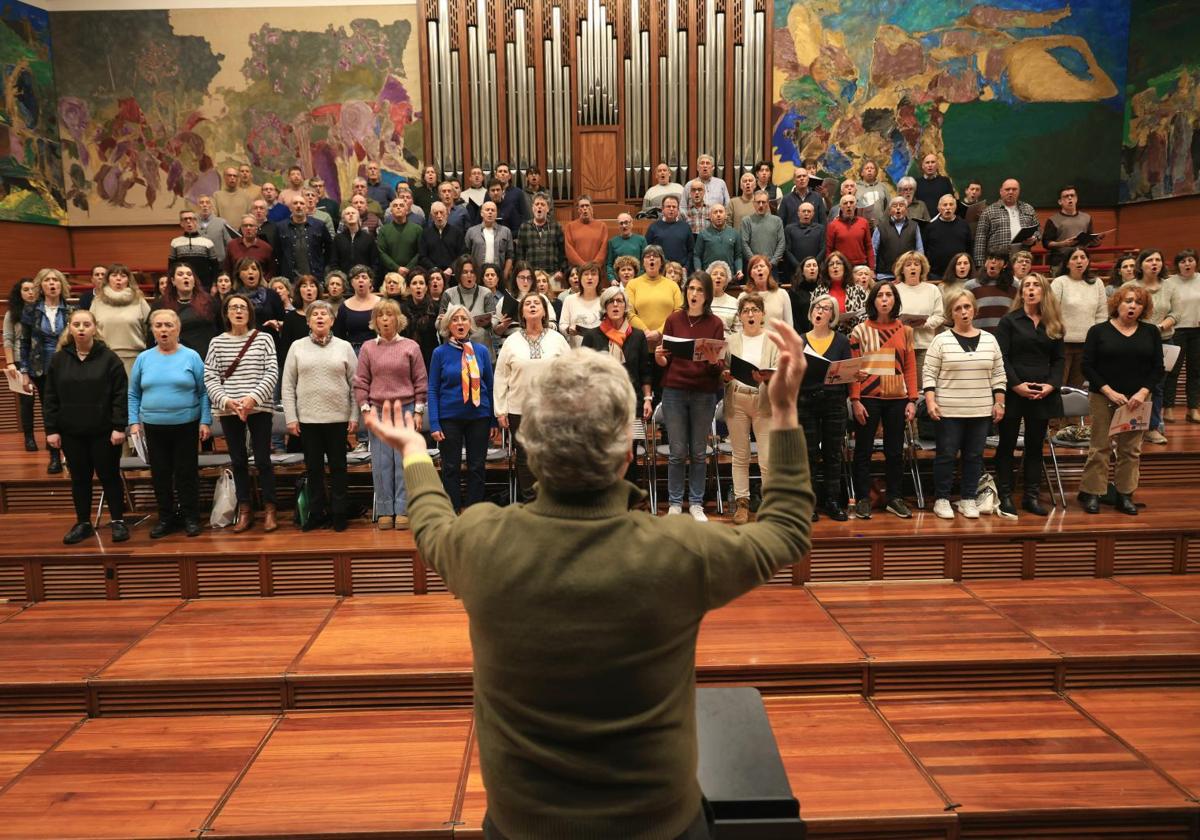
(153,105)
(1160,157)
(994,90)
(31,175)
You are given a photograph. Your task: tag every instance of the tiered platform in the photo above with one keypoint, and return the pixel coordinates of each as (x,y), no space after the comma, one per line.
(902,710)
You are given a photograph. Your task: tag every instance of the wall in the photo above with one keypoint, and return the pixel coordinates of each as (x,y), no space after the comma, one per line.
(994,92)
(25,248)
(1169,225)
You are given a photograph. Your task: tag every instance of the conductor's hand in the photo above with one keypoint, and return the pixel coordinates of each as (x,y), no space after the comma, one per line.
(395,428)
(784,387)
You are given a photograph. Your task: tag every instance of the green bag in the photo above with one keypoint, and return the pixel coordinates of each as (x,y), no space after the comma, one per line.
(303,505)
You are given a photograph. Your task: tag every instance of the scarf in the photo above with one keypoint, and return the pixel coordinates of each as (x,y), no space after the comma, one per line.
(321,342)
(615,335)
(470,372)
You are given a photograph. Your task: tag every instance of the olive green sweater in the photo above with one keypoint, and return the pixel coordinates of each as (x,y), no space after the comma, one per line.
(583,619)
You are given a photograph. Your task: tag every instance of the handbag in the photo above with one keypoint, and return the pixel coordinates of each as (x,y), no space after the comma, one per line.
(224,501)
(303,503)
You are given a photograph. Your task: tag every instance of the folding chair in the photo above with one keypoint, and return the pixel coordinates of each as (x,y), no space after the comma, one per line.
(1075,404)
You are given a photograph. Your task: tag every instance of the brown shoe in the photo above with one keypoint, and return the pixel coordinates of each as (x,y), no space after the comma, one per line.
(741,513)
(269,523)
(1193,415)
(401,522)
(1168,415)
(245,518)
(385,523)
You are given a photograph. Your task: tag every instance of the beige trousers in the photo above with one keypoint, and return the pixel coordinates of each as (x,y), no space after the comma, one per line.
(741,415)
(1129,452)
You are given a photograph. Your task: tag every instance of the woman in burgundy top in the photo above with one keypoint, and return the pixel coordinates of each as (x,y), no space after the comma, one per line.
(690,392)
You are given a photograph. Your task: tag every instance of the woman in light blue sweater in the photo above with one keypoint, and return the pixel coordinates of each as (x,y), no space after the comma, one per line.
(168,404)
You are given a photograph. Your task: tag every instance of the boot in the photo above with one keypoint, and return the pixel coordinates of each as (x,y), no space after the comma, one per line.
(741,513)
(245,518)
(1033,503)
(1007,507)
(30,444)
(55,465)
(1125,504)
(269,523)
(1090,502)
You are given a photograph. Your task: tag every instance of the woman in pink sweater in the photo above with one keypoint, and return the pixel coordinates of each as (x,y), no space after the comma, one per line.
(390,369)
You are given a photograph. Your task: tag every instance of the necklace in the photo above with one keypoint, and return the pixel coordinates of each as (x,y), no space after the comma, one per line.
(692,323)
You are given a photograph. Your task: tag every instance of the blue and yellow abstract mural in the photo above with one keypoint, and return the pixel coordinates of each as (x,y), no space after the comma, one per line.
(31,176)
(1160,156)
(153,105)
(1020,87)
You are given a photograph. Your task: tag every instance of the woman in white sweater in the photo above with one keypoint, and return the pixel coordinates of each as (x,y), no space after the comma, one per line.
(921,301)
(121,316)
(318,404)
(582,311)
(1185,316)
(1083,304)
(524,352)
(964,384)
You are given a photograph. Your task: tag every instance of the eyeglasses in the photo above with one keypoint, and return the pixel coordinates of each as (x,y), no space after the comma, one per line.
(823,307)
(754,309)
(237,307)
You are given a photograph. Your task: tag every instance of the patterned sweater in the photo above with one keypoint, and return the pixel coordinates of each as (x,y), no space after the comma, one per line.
(892,338)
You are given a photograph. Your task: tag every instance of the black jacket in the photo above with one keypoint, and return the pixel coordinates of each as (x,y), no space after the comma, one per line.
(637,356)
(87,397)
(438,249)
(361,250)
(1031,356)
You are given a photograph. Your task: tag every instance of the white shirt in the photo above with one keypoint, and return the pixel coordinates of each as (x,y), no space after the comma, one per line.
(752,347)
(489,244)
(1014,220)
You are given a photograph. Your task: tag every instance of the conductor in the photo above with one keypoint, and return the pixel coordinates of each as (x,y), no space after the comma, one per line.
(584,613)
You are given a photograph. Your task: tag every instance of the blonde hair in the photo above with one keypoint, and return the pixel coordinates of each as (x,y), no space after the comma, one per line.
(384,307)
(395,275)
(953,297)
(66,339)
(907,257)
(1048,309)
(48,274)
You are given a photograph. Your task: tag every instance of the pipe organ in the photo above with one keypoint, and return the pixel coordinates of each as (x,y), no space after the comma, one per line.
(557,83)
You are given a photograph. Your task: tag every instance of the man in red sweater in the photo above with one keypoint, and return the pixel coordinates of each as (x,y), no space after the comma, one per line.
(585,239)
(850,233)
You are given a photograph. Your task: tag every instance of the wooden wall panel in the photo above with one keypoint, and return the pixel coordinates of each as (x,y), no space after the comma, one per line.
(1169,224)
(144,246)
(25,248)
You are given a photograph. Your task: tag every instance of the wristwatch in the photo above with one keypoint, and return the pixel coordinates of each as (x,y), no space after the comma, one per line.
(419,408)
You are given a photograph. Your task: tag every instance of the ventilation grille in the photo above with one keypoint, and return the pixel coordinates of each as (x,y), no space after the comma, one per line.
(1143,556)
(303,576)
(1075,558)
(914,561)
(228,578)
(149,580)
(373,575)
(73,582)
(991,560)
(37,497)
(1193,555)
(243,697)
(852,562)
(434,582)
(12,582)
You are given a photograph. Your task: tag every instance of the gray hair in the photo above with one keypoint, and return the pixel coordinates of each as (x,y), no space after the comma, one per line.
(837,312)
(906,182)
(898,200)
(654,251)
(722,265)
(443,321)
(576,422)
(319,304)
(611,292)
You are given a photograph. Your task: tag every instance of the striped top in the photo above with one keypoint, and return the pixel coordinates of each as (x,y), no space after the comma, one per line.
(872,337)
(962,381)
(255,375)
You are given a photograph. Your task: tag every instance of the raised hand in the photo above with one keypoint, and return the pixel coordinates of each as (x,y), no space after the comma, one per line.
(784,387)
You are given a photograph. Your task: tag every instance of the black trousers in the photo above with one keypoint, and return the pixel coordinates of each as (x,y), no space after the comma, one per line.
(259,424)
(525,478)
(174,467)
(1188,339)
(94,454)
(39,384)
(25,413)
(1035,432)
(474,434)
(323,441)
(891,413)
(823,416)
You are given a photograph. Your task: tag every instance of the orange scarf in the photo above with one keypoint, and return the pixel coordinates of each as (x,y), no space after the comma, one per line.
(616,336)
(470,375)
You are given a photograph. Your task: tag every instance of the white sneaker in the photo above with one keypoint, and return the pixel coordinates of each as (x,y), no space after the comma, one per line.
(697,513)
(362,447)
(675,510)
(969,508)
(942,509)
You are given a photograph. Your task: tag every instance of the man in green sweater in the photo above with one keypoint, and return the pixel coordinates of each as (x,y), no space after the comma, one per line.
(584,613)
(399,240)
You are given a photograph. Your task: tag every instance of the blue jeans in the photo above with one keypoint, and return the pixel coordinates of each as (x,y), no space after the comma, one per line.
(387,476)
(689,417)
(968,434)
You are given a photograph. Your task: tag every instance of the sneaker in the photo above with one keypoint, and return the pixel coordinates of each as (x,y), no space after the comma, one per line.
(120,532)
(969,508)
(697,512)
(862,509)
(1155,436)
(362,447)
(942,509)
(899,508)
(675,510)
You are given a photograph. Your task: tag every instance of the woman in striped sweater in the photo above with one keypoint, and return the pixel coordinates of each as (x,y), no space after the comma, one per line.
(964,383)
(240,372)
(888,394)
